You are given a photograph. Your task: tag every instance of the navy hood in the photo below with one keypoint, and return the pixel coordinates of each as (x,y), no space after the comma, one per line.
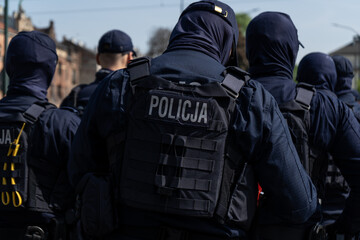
(345,75)
(30,63)
(209,27)
(272,45)
(317,69)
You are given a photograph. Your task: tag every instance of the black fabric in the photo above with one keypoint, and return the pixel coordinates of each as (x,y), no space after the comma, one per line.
(208,31)
(30,63)
(297,115)
(148,124)
(169,233)
(25,182)
(96,200)
(259,134)
(318,69)
(80,95)
(194,175)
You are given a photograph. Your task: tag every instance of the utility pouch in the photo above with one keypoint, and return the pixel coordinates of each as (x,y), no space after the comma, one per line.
(244,195)
(97,211)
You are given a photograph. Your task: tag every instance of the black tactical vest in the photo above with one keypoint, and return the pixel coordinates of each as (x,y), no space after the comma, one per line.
(18,183)
(176,158)
(297,115)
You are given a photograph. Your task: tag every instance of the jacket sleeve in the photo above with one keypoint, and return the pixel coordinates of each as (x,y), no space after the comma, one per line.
(262,131)
(346,152)
(102,117)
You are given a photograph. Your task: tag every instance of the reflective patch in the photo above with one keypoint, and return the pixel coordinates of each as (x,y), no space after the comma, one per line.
(178,109)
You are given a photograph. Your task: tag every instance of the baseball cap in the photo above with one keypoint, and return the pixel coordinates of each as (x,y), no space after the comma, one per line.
(115,41)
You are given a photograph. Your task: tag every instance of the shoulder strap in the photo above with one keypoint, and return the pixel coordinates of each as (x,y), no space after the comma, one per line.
(304,95)
(138,69)
(32,114)
(234,80)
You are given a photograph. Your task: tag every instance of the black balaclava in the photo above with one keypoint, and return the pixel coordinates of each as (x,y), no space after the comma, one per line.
(209,27)
(345,75)
(272,45)
(30,63)
(317,69)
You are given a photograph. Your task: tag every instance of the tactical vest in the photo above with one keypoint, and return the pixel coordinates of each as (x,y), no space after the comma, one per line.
(176,157)
(297,115)
(18,183)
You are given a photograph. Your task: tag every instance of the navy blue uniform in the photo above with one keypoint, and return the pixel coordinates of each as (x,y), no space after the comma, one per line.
(343,87)
(80,95)
(336,188)
(31,61)
(272,46)
(196,52)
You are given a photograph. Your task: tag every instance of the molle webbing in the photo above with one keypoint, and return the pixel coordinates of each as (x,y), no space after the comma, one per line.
(15,172)
(175,142)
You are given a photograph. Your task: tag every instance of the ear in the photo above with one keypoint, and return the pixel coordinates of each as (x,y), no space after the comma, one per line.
(130,57)
(98,59)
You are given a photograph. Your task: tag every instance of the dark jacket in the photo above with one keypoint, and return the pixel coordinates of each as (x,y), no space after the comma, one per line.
(259,126)
(79,96)
(31,62)
(343,87)
(272,46)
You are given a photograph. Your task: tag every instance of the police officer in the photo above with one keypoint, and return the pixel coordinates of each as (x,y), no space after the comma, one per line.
(271,46)
(343,88)
(320,70)
(115,51)
(164,167)
(35,144)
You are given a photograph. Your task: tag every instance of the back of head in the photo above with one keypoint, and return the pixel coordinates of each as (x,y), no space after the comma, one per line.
(209,27)
(115,41)
(345,74)
(317,69)
(272,44)
(30,63)
(112,48)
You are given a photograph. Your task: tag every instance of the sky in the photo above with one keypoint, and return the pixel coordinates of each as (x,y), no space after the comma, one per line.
(323,25)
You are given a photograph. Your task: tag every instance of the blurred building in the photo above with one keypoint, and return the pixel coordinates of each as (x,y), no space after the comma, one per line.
(76,64)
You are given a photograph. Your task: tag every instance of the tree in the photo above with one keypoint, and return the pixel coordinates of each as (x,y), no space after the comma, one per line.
(243,20)
(158,42)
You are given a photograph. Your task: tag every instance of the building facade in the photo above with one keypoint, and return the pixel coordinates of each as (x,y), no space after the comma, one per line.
(76,63)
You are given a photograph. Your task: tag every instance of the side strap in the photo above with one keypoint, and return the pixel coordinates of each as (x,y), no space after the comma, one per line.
(304,95)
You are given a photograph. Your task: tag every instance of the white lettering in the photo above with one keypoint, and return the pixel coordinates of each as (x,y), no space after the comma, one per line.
(195,115)
(154,102)
(170,109)
(183,110)
(185,118)
(163,109)
(179,109)
(8,137)
(203,113)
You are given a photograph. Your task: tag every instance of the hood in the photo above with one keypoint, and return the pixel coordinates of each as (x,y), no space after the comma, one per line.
(271,45)
(317,69)
(30,63)
(209,27)
(345,75)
